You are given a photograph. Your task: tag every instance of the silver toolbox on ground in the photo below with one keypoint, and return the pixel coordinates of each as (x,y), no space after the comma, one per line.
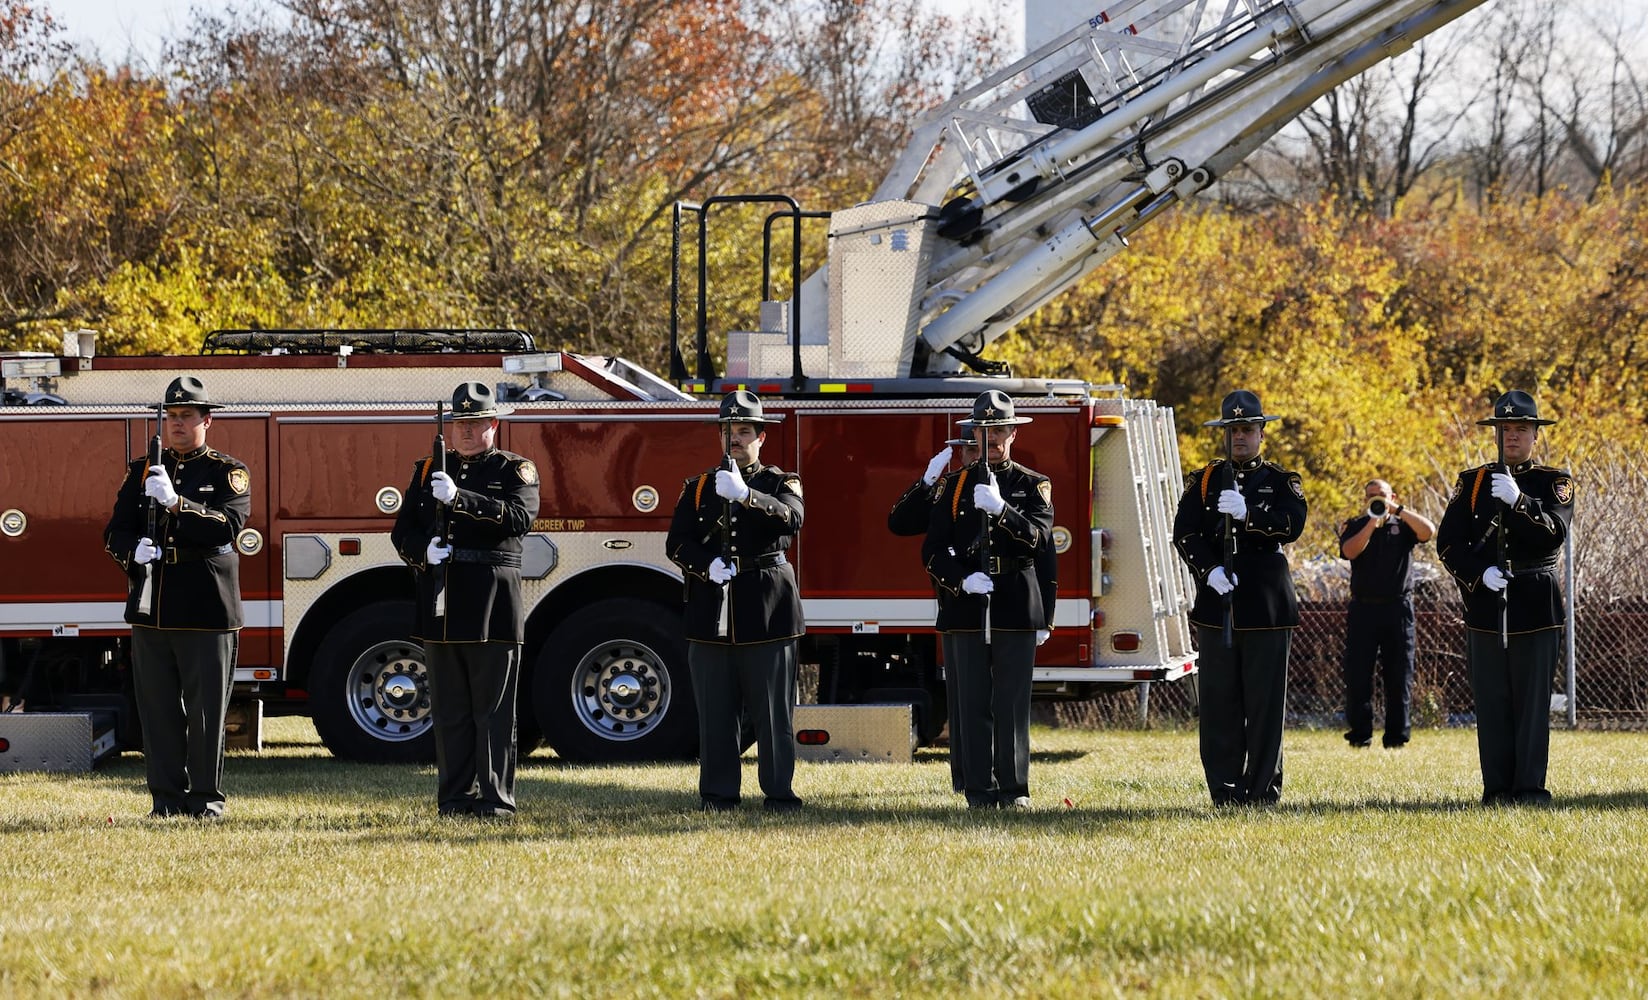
(55,741)
(881,733)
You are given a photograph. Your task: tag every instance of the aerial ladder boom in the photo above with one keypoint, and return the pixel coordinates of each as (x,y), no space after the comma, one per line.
(1024,183)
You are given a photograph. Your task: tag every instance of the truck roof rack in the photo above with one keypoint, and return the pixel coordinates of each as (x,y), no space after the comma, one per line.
(410,341)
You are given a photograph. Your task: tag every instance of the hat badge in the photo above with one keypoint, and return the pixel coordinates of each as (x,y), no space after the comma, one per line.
(1237,411)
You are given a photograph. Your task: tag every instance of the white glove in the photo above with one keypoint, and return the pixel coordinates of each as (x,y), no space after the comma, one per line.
(443,487)
(978,583)
(1233,503)
(146,552)
(720,572)
(729,485)
(1494,579)
(1221,583)
(987,497)
(436,553)
(1505,489)
(936,467)
(1043,634)
(159,486)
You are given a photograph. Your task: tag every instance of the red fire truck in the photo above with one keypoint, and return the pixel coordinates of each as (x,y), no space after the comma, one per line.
(1006,195)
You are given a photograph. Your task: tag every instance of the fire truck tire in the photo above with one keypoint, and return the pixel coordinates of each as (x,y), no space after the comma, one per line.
(369,689)
(611,684)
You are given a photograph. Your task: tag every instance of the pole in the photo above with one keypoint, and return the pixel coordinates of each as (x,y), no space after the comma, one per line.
(1504,560)
(984,523)
(1230,548)
(723,623)
(145,597)
(442,527)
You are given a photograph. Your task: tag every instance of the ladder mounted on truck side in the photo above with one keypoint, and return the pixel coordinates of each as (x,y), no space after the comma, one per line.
(1024,183)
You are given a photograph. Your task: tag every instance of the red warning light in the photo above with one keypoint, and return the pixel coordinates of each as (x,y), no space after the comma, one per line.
(812,737)
(1125,642)
(5,744)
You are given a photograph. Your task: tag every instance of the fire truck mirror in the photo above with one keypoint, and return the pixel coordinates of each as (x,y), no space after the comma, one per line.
(12,522)
(388,500)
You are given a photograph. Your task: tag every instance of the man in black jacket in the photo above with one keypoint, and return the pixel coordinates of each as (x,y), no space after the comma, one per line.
(470,617)
(986,552)
(1499,538)
(731,527)
(1248,508)
(184,600)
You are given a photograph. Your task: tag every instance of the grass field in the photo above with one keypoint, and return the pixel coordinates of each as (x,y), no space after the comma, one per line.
(1377,876)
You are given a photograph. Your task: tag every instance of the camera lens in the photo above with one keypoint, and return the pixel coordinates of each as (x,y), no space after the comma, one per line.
(1377,507)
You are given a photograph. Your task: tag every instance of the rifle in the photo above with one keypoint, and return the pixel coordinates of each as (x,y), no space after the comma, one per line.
(723,622)
(145,597)
(442,527)
(1230,547)
(984,525)
(1499,539)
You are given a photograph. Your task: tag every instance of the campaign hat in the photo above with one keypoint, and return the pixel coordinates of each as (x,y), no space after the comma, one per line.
(992,408)
(1515,407)
(186,390)
(1241,407)
(476,401)
(742,407)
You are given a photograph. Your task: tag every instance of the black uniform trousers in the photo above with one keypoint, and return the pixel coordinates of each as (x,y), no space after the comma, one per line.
(1379,632)
(1512,688)
(1242,693)
(181,680)
(472,692)
(992,691)
(730,682)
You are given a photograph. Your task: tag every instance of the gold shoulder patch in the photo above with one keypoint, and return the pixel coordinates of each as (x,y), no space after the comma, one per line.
(794,484)
(527,471)
(1563,490)
(1296,486)
(1045,488)
(239,481)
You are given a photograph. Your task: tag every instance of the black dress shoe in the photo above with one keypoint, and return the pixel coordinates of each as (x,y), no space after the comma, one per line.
(1395,742)
(1358,741)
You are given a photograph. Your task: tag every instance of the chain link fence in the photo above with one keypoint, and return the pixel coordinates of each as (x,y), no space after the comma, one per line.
(1610,649)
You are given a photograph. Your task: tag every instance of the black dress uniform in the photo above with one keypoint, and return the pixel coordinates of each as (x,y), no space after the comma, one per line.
(1243,689)
(909,517)
(1511,683)
(990,682)
(749,667)
(185,640)
(472,642)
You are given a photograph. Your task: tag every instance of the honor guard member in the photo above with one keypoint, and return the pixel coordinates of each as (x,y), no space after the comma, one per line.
(985,539)
(728,534)
(1233,519)
(1499,537)
(910,516)
(173,531)
(460,530)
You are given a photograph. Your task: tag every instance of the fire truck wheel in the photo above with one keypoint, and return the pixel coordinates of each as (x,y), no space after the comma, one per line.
(611,684)
(369,688)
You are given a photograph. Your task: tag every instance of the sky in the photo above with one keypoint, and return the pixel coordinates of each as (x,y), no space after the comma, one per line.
(118,27)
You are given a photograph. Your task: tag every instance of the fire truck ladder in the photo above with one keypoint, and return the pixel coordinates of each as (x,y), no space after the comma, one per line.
(1043,169)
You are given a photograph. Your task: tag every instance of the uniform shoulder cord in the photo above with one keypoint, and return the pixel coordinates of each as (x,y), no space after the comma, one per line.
(1477,485)
(698,494)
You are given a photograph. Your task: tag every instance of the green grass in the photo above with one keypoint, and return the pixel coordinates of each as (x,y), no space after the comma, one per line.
(1377,876)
